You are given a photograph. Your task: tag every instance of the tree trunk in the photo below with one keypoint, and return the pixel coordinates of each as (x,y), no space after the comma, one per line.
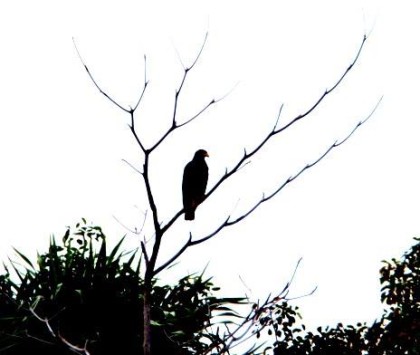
(147,331)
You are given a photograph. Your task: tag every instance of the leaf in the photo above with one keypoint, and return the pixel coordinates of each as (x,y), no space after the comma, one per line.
(66,235)
(24,258)
(155,323)
(115,250)
(18,273)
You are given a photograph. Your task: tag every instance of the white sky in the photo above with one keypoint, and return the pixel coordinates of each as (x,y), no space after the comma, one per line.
(62,142)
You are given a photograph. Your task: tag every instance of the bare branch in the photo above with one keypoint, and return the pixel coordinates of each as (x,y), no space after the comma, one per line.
(133,131)
(96,84)
(144,222)
(230,222)
(186,71)
(150,195)
(212,102)
(310,293)
(132,166)
(127,110)
(144,250)
(43,320)
(172,220)
(199,53)
(175,126)
(74,347)
(136,231)
(327,92)
(275,131)
(178,91)
(37,338)
(176,256)
(144,86)
(104,93)
(132,110)
(284,292)
(189,243)
(278,117)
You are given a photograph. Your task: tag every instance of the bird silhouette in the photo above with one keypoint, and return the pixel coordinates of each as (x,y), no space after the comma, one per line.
(194,183)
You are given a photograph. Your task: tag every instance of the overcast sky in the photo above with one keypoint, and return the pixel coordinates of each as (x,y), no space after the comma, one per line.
(62,143)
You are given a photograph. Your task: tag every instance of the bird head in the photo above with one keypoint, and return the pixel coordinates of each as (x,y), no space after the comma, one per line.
(201,153)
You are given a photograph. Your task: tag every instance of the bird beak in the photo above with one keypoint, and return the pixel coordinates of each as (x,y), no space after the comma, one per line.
(206,155)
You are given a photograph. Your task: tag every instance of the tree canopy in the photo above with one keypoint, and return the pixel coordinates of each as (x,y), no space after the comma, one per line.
(80,297)
(396,332)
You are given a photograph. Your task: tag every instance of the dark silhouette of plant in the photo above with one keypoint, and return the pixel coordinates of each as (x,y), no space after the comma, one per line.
(79,298)
(401,292)
(397,332)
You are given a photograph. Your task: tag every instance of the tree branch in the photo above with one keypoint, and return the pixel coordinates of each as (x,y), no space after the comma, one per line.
(71,346)
(275,131)
(133,131)
(230,222)
(136,231)
(146,82)
(150,195)
(247,155)
(176,256)
(327,92)
(75,347)
(144,250)
(178,91)
(127,110)
(132,167)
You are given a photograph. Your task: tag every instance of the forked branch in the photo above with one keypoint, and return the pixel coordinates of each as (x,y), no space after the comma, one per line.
(230,222)
(247,155)
(276,130)
(75,348)
(128,110)
(175,125)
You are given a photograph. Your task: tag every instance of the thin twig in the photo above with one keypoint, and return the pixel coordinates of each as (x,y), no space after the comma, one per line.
(146,82)
(132,166)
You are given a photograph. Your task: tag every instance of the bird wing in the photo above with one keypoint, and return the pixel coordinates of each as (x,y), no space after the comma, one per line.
(194,182)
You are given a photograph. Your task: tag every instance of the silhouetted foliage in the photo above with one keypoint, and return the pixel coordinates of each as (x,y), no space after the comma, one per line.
(397,332)
(80,298)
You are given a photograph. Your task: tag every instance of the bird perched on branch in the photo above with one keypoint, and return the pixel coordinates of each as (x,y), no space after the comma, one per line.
(194,183)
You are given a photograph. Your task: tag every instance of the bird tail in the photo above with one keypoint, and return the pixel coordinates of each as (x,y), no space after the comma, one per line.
(189,215)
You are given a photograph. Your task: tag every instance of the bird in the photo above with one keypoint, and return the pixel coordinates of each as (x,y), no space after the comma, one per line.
(194,183)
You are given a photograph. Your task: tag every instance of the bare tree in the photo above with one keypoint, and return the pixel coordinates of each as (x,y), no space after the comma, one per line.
(151,252)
